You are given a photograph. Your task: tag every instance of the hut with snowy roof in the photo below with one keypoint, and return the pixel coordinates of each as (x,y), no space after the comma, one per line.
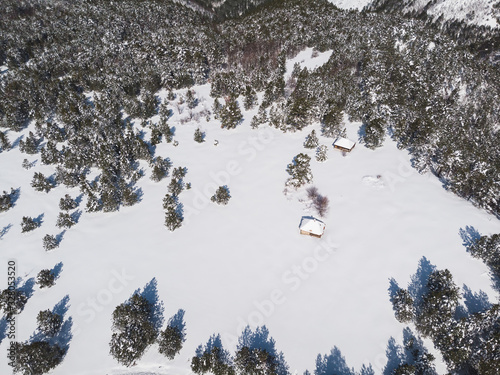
(311,226)
(344,144)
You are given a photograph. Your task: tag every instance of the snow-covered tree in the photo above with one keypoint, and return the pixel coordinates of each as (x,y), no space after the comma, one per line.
(299,171)
(221,195)
(311,140)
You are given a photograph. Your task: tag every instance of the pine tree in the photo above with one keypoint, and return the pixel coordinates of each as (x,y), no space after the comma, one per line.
(300,171)
(65,220)
(199,136)
(6,200)
(50,154)
(173,218)
(28,224)
(213,358)
(221,196)
(40,183)
(46,279)
(402,303)
(4,142)
(134,330)
(230,114)
(37,357)
(331,123)
(49,323)
(322,153)
(250,99)
(311,140)
(171,340)
(67,203)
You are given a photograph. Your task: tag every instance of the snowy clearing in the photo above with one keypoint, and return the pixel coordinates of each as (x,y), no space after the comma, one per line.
(246,263)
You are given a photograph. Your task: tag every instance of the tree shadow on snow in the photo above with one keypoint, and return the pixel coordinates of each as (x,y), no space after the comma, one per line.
(411,352)
(39,219)
(395,357)
(56,271)
(5,230)
(27,287)
(3,328)
(150,293)
(469,235)
(332,363)
(475,302)
(177,321)
(418,285)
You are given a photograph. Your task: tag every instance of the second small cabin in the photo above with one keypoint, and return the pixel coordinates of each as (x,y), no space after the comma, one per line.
(344,144)
(311,226)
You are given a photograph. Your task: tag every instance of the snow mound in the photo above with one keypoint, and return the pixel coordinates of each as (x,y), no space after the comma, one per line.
(375,182)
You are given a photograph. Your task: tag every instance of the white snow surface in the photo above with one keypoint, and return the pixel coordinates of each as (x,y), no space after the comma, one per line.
(350,4)
(476,12)
(245,263)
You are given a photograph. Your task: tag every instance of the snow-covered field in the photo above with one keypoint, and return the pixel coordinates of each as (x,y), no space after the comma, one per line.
(245,263)
(476,12)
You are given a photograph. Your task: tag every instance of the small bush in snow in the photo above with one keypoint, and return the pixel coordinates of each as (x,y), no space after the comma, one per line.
(199,136)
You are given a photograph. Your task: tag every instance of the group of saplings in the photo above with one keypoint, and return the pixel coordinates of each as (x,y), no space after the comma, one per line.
(173,208)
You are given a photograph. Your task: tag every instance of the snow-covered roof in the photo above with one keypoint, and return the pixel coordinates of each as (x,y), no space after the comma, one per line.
(344,143)
(312,225)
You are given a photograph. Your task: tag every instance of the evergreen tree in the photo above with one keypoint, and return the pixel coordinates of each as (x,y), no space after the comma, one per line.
(67,203)
(331,123)
(221,195)
(230,114)
(28,224)
(311,140)
(50,154)
(192,101)
(170,340)
(40,183)
(213,358)
(65,220)
(250,99)
(199,136)
(30,145)
(300,171)
(49,323)
(160,168)
(322,153)
(173,218)
(6,200)
(402,304)
(134,330)
(12,302)
(46,278)
(374,133)
(37,357)
(4,142)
